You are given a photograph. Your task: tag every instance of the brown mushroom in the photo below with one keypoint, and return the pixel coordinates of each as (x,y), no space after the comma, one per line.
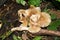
(34,18)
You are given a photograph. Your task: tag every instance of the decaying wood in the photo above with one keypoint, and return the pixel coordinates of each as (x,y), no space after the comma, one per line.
(47,32)
(44,32)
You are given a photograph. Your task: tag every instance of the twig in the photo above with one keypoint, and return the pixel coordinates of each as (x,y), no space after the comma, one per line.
(47,32)
(41,32)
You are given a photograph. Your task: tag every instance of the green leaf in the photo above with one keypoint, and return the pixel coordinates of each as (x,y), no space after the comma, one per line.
(38,38)
(56,38)
(18,1)
(58,0)
(5,35)
(19,38)
(46,10)
(16,37)
(34,2)
(21,2)
(53,16)
(54,25)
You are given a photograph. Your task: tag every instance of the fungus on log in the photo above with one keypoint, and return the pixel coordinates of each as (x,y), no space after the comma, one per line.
(32,20)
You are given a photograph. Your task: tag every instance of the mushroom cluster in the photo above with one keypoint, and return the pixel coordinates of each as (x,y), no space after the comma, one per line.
(32,19)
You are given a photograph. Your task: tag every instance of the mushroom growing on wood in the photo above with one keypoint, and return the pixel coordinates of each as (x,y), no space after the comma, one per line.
(32,19)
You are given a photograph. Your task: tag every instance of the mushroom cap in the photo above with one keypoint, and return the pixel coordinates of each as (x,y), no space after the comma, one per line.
(34,29)
(45,19)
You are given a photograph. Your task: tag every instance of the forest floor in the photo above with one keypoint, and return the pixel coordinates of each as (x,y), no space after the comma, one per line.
(8,14)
